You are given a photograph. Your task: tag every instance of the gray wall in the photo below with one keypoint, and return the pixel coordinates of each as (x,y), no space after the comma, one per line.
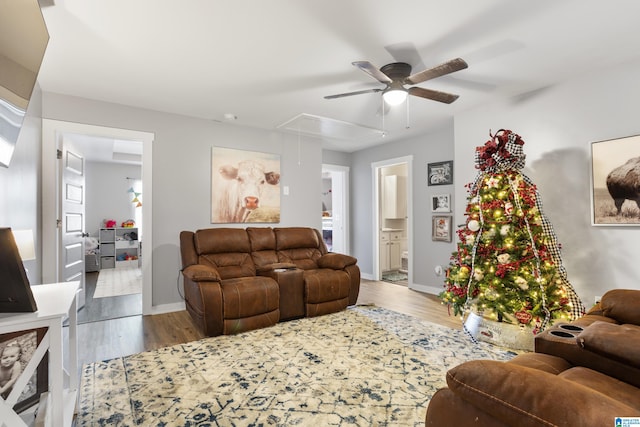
(182,172)
(20,183)
(434,147)
(558,125)
(107,195)
(339,158)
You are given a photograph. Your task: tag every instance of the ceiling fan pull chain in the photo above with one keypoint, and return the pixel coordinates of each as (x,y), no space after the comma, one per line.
(407,126)
(384,132)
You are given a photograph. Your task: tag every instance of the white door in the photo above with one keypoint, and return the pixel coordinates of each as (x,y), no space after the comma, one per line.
(51,212)
(383,251)
(72,193)
(340,206)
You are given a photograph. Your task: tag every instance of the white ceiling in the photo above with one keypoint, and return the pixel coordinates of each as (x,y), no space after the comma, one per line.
(267,62)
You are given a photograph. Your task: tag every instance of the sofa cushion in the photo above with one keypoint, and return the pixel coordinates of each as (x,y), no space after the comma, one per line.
(249,296)
(543,362)
(609,386)
(324,285)
(622,305)
(295,238)
(616,342)
(303,258)
(509,391)
(221,240)
(201,273)
(335,261)
(261,238)
(230,265)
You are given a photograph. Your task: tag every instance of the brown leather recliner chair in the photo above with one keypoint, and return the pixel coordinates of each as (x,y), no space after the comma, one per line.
(585,373)
(309,281)
(222,292)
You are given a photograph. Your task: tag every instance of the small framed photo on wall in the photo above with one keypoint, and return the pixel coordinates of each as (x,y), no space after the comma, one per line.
(441,203)
(441,228)
(440,173)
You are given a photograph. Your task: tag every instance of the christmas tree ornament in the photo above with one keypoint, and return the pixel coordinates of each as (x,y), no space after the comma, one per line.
(473,225)
(507,265)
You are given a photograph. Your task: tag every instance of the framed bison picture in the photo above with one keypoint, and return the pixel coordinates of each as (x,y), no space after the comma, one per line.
(245,186)
(615,180)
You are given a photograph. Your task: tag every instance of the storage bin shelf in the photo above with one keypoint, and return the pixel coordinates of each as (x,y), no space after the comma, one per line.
(117,242)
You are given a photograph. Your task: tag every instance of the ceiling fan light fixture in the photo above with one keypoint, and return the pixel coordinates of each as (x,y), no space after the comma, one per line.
(395,95)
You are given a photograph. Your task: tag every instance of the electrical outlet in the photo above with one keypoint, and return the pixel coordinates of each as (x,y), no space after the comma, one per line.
(597,299)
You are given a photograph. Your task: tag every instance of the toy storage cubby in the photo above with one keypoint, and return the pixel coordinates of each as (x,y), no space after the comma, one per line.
(119,247)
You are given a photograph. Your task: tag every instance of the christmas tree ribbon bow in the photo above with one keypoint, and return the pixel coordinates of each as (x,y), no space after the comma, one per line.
(502,152)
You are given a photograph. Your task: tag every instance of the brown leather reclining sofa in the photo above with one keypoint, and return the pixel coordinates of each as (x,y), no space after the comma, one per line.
(585,373)
(237,279)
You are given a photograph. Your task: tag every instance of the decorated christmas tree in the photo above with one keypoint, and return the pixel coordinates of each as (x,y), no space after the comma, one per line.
(507,266)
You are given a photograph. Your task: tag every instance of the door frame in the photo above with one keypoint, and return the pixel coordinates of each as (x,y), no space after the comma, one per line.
(52,133)
(341,193)
(377,207)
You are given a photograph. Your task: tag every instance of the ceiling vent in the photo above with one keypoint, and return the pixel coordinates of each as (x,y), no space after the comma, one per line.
(324,127)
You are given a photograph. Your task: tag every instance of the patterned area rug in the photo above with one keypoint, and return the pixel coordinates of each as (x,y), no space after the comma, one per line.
(113,282)
(364,366)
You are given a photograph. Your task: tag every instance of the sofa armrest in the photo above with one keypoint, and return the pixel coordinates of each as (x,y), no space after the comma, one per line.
(268,268)
(522,396)
(616,342)
(336,261)
(201,273)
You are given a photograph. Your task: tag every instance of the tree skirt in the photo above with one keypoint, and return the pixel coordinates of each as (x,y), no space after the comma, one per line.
(363,366)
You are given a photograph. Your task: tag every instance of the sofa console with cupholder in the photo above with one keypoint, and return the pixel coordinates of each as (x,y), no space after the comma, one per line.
(604,339)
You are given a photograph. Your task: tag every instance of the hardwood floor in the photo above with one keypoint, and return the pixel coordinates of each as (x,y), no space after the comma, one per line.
(108,339)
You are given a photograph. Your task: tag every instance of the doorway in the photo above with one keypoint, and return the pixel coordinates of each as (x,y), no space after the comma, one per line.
(393,223)
(335,208)
(54,132)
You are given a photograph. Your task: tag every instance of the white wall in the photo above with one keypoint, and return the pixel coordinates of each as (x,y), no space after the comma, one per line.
(107,195)
(182,173)
(558,125)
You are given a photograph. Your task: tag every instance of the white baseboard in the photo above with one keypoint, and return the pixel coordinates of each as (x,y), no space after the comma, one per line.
(366,276)
(167,308)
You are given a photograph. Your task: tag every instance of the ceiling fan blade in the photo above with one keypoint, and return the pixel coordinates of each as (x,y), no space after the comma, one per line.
(372,70)
(360,92)
(437,71)
(434,95)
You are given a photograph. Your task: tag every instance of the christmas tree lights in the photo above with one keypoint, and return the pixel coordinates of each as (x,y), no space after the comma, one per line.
(507,266)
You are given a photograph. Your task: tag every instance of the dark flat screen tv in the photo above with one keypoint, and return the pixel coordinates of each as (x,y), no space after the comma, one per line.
(15,290)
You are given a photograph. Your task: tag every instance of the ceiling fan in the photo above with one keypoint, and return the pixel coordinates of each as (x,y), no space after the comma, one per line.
(398,74)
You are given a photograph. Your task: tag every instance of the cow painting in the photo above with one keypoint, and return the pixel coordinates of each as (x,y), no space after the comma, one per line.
(623,183)
(245,187)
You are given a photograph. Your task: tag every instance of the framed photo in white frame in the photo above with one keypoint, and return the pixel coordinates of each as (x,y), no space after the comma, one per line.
(441,203)
(441,228)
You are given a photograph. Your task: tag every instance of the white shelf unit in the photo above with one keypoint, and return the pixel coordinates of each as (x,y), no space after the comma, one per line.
(116,243)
